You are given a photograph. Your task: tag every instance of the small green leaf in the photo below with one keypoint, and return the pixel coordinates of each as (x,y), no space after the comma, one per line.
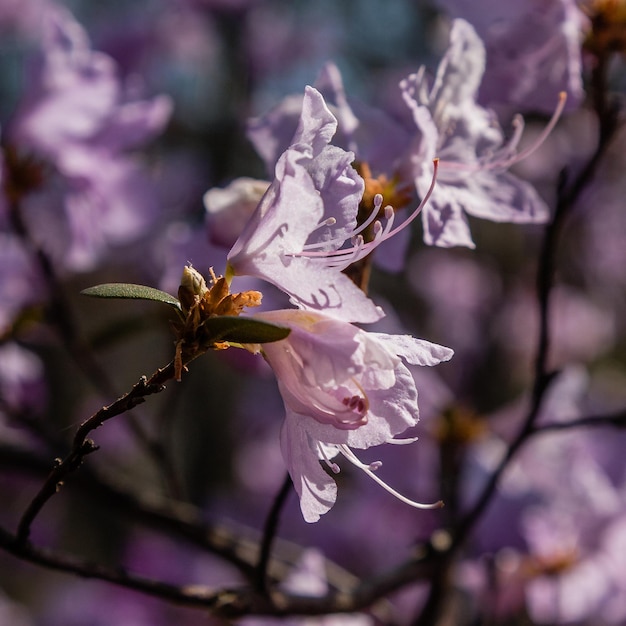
(243,330)
(132,292)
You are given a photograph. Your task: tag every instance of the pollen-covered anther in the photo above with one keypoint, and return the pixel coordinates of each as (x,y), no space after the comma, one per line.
(357,404)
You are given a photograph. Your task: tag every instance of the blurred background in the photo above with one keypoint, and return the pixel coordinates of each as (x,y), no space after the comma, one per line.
(126,205)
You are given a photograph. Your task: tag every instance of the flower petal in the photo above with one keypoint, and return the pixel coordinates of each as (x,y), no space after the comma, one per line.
(315,488)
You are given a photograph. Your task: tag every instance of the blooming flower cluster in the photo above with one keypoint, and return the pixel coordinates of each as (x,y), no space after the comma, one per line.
(410,204)
(345,388)
(342,387)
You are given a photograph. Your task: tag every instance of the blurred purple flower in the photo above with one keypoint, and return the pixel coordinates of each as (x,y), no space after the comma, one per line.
(308,578)
(342,388)
(21,379)
(20,283)
(557,525)
(533,50)
(79,117)
(22,15)
(473,154)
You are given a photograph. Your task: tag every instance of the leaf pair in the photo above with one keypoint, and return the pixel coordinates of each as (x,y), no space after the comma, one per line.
(222,327)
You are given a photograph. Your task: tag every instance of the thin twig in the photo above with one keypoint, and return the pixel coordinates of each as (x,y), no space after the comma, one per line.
(82,445)
(567,198)
(62,317)
(269,533)
(615,420)
(233,602)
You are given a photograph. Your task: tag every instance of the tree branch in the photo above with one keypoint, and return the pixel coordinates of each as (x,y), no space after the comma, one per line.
(233,602)
(269,534)
(82,445)
(616,420)
(567,198)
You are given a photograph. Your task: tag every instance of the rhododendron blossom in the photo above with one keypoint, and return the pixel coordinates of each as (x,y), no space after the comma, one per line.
(304,232)
(342,388)
(80,117)
(474,155)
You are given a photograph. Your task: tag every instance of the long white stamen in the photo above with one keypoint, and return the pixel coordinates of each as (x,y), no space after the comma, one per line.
(542,137)
(331,464)
(344,258)
(331,221)
(347,452)
(378,201)
(340,259)
(421,205)
(492,162)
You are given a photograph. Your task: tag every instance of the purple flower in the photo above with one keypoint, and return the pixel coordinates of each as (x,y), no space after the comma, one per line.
(375,137)
(342,388)
(473,154)
(20,283)
(533,50)
(78,117)
(557,525)
(296,238)
(308,578)
(304,217)
(447,123)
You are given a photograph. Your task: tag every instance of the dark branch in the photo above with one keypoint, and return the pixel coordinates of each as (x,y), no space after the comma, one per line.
(567,197)
(616,420)
(269,534)
(234,602)
(82,445)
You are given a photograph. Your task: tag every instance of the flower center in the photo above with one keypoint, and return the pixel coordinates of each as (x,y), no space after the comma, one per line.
(356,404)
(359,248)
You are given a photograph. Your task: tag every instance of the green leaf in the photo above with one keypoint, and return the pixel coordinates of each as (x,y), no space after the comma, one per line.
(243,330)
(129,291)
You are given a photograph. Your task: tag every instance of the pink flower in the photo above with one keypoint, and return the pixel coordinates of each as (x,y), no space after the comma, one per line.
(313,200)
(342,388)
(474,156)
(304,232)
(78,116)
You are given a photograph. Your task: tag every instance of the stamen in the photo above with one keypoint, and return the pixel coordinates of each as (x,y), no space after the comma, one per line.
(343,258)
(402,442)
(334,468)
(356,403)
(331,221)
(492,162)
(378,201)
(347,452)
(340,259)
(544,135)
